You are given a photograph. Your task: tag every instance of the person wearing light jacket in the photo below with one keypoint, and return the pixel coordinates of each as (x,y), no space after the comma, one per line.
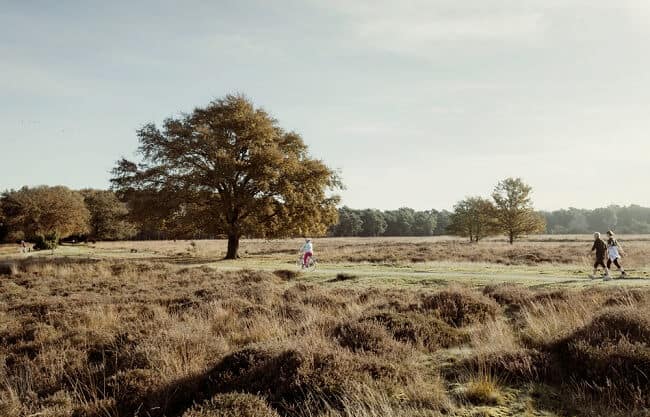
(307,251)
(614,252)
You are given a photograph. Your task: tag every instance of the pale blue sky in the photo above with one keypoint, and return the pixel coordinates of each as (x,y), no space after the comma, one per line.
(418,103)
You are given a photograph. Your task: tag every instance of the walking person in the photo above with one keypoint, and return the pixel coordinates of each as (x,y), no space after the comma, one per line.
(614,252)
(601,254)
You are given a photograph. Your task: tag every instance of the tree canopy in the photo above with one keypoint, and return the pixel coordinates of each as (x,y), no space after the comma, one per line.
(229,168)
(108,216)
(349,223)
(514,210)
(45,214)
(475,218)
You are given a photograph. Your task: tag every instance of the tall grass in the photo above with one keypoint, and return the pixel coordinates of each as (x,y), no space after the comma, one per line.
(114,338)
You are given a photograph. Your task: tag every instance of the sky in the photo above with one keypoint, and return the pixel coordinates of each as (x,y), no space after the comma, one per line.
(417,103)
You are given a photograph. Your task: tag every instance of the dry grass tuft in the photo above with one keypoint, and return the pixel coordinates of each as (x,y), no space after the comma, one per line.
(482,388)
(8,268)
(343,277)
(286,274)
(232,405)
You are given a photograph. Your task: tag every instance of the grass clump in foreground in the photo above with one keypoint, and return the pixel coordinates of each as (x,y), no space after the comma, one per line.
(232,405)
(114,339)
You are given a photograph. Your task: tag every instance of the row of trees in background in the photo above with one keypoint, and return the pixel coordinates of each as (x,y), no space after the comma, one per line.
(631,219)
(509,212)
(402,222)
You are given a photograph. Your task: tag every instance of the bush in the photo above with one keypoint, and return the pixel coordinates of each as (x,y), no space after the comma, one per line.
(8,268)
(341,276)
(255,370)
(525,365)
(286,274)
(611,355)
(419,329)
(232,405)
(363,337)
(292,380)
(143,390)
(460,308)
(518,296)
(46,242)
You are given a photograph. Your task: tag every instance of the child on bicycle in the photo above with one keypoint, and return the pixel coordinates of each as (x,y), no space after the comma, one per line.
(307,252)
(614,251)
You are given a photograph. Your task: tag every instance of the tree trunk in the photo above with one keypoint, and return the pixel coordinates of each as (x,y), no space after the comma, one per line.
(511,238)
(233,247)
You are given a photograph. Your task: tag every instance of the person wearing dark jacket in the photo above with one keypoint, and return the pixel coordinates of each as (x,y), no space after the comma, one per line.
(601,254)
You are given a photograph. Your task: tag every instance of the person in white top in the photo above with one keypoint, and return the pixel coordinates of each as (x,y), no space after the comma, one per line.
(614,251)
(308,251)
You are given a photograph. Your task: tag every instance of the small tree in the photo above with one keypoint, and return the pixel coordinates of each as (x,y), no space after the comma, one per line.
(228,169)
(514,210)
(45,214)
(473,217)
(108,216)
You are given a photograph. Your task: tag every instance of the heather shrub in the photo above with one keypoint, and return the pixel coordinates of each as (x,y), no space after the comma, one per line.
(418,329)
(460,307)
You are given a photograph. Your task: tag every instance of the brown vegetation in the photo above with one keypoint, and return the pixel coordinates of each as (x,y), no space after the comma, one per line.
(116,339)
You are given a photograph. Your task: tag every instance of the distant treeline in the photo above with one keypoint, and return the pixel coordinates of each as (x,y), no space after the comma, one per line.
(631,219)
(406,221)
(401,222)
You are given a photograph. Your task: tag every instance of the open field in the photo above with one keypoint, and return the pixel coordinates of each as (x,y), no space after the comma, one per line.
(543,261)
(168,329)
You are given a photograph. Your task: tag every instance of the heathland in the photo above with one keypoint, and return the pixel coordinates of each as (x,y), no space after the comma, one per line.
(383,327)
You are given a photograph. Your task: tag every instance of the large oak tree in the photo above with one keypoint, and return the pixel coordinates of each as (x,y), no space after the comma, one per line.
(228,168)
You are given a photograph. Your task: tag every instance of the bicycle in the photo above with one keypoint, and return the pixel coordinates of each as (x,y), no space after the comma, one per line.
(311,263)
